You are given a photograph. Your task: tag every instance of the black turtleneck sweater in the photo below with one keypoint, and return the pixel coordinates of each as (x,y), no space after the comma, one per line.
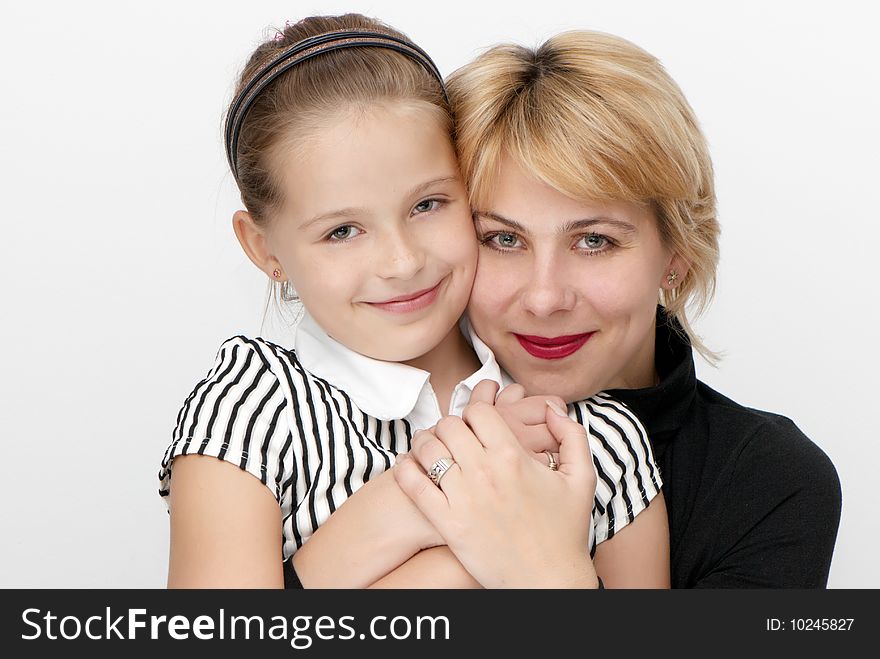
(752,502)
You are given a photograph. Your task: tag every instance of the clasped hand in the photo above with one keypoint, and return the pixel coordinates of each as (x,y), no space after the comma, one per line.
(509,519)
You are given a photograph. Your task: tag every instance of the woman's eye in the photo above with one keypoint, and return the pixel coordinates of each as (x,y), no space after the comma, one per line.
(502,240)
(426,206)
(344,233)
(593,242)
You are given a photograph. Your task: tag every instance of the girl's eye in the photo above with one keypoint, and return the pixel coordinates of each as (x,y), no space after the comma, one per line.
(502,240)
(593,242)
(344,232)
(426,206)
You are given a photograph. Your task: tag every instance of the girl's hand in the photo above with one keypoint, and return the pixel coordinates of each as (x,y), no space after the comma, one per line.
(523,415)
(511,521)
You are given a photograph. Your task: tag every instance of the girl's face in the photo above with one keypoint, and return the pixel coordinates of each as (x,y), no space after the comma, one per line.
(566,291)
(376,233)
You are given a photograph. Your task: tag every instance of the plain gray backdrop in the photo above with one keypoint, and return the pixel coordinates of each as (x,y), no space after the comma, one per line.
(121,276)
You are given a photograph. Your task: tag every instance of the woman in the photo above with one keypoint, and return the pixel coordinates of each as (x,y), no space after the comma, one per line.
(594,200)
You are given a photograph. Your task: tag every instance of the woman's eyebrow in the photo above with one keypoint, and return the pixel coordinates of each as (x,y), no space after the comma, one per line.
(501,219)
(568,227)
(587,223)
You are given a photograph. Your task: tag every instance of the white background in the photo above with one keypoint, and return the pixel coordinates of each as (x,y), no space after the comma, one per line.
(120,274)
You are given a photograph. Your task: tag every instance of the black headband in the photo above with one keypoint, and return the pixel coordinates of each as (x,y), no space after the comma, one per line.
(305,50)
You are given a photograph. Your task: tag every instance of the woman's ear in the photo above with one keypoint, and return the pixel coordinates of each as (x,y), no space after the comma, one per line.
(253,242)
(675,272)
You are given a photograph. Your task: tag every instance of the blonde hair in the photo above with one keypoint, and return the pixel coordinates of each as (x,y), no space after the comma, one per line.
(596,117)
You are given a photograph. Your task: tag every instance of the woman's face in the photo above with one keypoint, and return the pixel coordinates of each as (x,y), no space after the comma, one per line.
(566,292)
(376,233)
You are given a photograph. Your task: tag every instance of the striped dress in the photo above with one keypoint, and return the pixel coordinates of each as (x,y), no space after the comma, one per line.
(310,443)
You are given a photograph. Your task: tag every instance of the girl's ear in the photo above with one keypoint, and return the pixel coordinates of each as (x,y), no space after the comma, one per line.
(675,272)
(253,242)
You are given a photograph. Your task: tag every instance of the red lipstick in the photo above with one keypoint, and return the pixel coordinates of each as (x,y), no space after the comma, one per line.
(555,347)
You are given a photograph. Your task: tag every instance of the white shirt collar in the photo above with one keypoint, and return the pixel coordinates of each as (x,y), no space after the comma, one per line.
(385,390)
(388,390)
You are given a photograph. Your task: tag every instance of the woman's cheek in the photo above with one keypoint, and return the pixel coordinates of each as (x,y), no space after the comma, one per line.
(495,286)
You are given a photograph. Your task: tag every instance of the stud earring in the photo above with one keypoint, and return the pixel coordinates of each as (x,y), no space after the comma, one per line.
(671,277)
(276,273)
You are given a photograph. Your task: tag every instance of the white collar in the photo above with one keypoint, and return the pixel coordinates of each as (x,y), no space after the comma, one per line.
(386,390)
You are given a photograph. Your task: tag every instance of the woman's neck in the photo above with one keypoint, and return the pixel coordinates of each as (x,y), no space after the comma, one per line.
(449,363)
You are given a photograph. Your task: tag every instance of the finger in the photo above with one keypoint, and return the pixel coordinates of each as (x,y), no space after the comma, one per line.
(488,426)
(530,411)
(485,391)
(544,459)
(459,441)
(447,478)
(427,449)
(575,457)
(510,394)
(536,438)
(426,496)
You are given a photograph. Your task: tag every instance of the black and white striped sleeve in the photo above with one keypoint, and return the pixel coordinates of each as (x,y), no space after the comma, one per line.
(237,413)
(627,476)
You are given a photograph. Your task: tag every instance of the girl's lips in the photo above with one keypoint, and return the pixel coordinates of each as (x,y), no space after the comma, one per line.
(409,302)
(555,347)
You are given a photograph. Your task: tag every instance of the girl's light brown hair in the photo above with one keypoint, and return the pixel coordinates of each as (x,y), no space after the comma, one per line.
(597,118)
(302,100)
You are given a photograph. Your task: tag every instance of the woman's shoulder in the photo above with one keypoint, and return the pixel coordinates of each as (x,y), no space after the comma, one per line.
(770,440)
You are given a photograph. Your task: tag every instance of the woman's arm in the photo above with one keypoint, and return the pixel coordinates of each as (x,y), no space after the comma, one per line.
(377,529)
(225,527)
(431,568)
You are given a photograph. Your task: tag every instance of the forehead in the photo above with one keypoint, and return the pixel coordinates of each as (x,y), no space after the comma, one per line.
(363,156)
(520,196)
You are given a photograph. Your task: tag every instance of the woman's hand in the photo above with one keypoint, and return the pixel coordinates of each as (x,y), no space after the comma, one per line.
(510,520)
(523,415)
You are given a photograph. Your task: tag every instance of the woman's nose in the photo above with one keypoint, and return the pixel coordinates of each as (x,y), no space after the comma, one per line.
(547,290)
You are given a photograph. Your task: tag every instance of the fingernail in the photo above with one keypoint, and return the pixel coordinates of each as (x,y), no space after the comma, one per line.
(558,410)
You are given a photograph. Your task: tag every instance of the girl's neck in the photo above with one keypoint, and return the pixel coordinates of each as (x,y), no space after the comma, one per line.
(449,363)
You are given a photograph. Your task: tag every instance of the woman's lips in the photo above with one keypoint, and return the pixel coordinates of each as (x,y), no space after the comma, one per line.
(555,347)
(409,302)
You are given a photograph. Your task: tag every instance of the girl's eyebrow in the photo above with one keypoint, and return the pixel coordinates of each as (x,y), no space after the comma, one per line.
(421,187)
(340,213)
(569,227)
(343,213)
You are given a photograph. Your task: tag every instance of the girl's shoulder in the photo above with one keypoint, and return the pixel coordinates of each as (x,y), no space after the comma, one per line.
(259,353)
(603,412)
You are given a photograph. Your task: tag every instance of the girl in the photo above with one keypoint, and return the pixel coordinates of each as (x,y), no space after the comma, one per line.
(339,138)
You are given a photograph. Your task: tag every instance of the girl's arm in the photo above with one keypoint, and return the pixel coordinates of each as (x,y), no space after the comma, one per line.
(225,527)
(638,555)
